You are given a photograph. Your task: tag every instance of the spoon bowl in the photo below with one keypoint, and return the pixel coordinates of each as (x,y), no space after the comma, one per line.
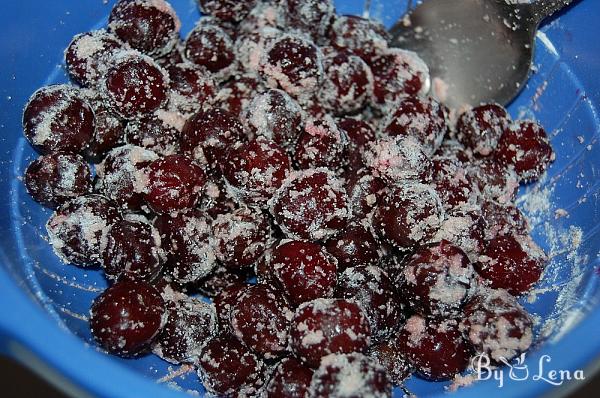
(477,50)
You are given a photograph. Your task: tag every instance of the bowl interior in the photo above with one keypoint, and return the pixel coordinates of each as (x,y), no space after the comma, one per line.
(563,207)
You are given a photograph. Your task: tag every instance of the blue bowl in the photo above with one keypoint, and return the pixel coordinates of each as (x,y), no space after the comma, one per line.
(44,303)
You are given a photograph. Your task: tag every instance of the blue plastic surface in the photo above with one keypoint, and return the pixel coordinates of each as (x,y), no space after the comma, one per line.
(43,303)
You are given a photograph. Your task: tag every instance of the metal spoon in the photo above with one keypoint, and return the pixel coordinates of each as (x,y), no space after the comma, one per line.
(477,50)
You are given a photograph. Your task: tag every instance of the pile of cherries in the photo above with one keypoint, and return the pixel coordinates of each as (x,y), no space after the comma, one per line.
(282,143)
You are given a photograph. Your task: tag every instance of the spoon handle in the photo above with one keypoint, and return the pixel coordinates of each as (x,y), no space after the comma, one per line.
(542,9)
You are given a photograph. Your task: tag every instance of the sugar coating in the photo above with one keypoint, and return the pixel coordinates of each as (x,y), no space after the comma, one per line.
(464,229)
(251,47)
(349,376)
(397,159)
(498,325)
(265,14)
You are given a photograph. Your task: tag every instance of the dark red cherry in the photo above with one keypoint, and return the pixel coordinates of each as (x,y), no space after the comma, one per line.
(361,36)
(497,325)
(526,147)
(190,324)
(227,368)
(78,228)
(192,87)
(227,10)
(87,56)
(514,263)
(57,118)
(311,17)
(55,178)
(391,358)
(503,220)
(175,184)
(133,250)
(354,246)
(135,85)
(154,134)
(290,379)
(210,46)
(398,73)
(495,181)
(261,320)
(294,65)
(436,349)
(187,239)
(350,376)
(347,85)
(276,116)
(371,288)
(126,318)
(240,237)
(423,118)
(123,175)
(209,134)
(321,144)
(365,191)
(304,271)
(311,204)
(457,188)
(360,135)
(480,128)
(325,326)
(396,159)
(438,280)
(151,27)
(409,215)
(255,170)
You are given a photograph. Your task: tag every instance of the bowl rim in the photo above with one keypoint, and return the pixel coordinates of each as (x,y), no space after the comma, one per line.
(89,372)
